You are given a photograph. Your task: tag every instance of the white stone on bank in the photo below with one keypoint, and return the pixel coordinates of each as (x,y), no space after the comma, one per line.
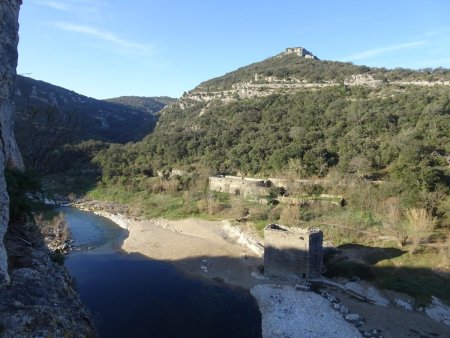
(368,292)
(258,275)
(119,219)
(242,238)
(290,313)
(403,304)
(438,311)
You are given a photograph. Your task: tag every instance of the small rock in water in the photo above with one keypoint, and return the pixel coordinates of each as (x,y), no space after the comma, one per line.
(336,306)
(204,265)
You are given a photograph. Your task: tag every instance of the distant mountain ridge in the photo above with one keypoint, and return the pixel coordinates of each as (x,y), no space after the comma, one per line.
(147,104)
(51,123)
(95,119)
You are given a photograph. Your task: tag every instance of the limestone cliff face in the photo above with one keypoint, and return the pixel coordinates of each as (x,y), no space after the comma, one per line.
(9,153)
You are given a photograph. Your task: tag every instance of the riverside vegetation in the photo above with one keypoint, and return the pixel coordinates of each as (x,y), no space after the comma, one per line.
(383,143)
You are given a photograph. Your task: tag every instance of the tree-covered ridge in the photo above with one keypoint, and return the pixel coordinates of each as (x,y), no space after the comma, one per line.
(147,104)
(51,120)
(167,100)
(41,105)
(388,133)
(316,71)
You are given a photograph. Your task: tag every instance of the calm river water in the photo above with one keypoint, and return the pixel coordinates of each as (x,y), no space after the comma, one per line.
(132,296)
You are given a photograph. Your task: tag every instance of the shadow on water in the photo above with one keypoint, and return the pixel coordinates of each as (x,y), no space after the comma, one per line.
(130,295)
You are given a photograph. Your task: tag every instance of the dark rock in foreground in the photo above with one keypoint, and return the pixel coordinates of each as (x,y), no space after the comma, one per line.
(41,300)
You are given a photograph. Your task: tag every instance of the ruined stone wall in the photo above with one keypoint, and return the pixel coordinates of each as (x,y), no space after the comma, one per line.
(285,183)
(9,153)
(292,252)
(246,187)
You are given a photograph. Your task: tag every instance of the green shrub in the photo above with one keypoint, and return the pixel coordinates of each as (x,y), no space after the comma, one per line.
(19,186)
(313,189)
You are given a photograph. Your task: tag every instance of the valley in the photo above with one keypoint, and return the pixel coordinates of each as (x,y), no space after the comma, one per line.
(342,169)
(363,141)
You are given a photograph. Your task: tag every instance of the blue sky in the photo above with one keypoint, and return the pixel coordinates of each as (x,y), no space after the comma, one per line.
(108,48)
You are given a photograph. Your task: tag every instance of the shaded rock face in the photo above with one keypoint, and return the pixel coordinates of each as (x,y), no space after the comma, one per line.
(41,300)
(9,153)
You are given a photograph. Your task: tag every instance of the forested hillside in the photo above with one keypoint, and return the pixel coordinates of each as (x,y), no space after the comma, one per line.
(50,121)
(392,132)
(376,140)
(146,104)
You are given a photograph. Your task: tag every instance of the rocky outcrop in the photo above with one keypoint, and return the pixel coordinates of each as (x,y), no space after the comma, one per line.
(41,300)
(9,154)
(264,86)
(299,51)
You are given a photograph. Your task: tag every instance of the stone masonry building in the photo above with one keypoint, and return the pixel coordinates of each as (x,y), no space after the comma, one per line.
(292,252)
(243,186)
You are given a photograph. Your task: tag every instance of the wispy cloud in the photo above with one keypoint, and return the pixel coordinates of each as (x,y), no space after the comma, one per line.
(55,5)
(74,6)
(443,31)
(383,50)
(106,36)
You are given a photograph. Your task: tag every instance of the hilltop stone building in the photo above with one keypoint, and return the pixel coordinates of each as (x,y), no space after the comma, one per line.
(292,252)
(300,51)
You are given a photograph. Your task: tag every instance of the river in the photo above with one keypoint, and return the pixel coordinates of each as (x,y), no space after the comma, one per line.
(130,295)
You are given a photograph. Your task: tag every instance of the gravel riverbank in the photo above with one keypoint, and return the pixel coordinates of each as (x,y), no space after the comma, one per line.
(287,312)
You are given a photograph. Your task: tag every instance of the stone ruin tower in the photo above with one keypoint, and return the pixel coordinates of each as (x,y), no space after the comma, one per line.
(300,51)
(292,252)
